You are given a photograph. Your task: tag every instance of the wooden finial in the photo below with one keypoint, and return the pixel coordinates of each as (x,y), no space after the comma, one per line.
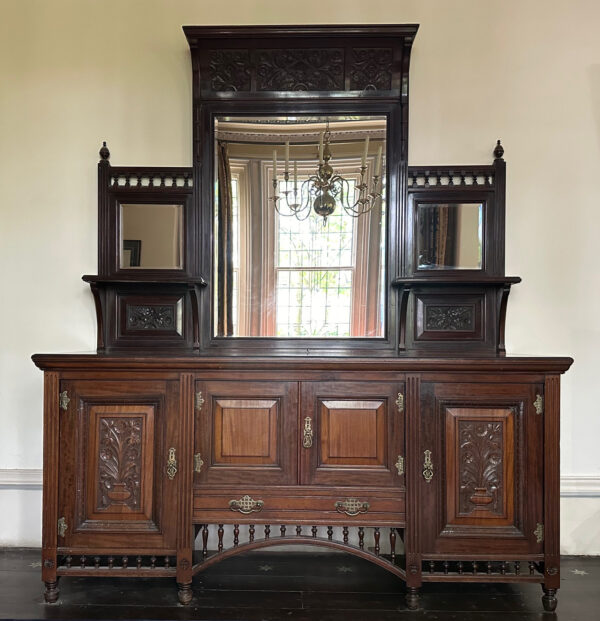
(104,152)
(498,151)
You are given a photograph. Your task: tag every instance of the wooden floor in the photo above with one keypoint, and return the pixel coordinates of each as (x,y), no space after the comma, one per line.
(262,586)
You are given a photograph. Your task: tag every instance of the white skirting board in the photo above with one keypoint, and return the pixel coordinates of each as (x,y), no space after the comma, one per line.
(21,502)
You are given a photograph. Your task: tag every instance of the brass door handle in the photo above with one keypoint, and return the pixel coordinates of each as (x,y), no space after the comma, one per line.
(246,505)
(171,464)
(351,506)
(307,436)
(427,466)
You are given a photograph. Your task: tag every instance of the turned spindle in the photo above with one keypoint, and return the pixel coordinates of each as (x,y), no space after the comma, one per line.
(204,540)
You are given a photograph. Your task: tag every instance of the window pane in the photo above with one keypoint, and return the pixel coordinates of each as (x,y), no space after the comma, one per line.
(315,303)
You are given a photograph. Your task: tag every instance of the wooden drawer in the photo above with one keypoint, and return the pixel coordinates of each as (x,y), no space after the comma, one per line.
(300,506)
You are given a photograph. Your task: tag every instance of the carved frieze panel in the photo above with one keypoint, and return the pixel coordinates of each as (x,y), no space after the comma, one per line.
(300,70)
(480,456)
(119,461)
(449,318)
(371,69)
(229,70)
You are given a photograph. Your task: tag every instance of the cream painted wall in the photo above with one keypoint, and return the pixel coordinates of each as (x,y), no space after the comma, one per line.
(73,73)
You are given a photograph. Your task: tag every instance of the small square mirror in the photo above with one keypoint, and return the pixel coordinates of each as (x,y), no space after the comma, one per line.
(151,236)
(449,236)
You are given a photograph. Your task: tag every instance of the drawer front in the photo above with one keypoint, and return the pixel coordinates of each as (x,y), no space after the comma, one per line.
(300,506)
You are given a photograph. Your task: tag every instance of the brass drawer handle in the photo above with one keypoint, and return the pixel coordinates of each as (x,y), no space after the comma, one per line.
(246,505)
(427,466)
(307,436)
(171,464)
(351,506)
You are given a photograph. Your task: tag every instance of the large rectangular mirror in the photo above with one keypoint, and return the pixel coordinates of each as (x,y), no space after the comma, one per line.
(300,226)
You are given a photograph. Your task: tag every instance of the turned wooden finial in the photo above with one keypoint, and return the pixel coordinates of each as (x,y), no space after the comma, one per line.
(104,152)
(498,151)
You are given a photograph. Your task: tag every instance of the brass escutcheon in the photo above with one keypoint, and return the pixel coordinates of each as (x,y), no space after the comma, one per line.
(171,464)
(307,436)
(427,466)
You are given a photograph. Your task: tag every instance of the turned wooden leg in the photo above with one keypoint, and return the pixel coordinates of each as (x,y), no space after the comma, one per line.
(549,599)
(51,593)
(412,598)
(185,593)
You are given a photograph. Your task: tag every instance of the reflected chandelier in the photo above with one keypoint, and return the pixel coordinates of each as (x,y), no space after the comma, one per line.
(324,189)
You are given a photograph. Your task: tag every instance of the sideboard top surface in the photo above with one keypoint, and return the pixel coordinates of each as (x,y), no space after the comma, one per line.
(51,362)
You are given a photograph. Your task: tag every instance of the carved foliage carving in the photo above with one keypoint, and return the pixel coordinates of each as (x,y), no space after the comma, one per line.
(150,317)
(480,466)
(229,70)
(300,70)
(120,461)
(449,318)
(371,69)
(312,69)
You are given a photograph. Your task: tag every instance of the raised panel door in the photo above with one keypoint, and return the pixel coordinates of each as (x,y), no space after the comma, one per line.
(352,433)
(246,433)
(115,482)
(482,469)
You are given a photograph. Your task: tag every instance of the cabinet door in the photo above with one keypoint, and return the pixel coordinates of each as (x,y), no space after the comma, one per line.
(246,433)
(352,433)
(117,485)
(482,469)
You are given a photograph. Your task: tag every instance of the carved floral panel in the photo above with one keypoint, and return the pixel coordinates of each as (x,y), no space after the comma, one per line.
(449,318)
(142,317)
(480,462)
(119,461)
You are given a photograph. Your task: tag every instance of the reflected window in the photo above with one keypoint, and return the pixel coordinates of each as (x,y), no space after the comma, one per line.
(315,272)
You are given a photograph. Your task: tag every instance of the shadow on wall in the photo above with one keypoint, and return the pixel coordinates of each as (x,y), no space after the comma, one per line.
(594,74)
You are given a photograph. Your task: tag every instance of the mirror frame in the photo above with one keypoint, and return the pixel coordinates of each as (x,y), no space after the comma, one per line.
(448,268)
(492,199)
(428,198)
(283,345)
(112,195)
(226,82)
(302,339)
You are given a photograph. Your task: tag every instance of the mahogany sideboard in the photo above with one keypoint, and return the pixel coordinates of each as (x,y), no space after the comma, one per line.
(228,409)
(436,469)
